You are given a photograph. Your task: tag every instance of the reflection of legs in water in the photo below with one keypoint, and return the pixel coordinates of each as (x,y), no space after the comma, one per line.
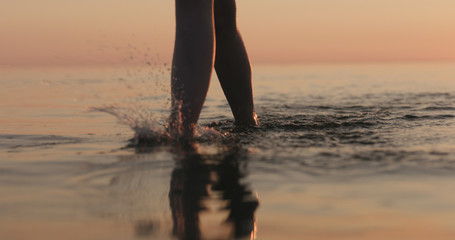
(189,187)
(242,203)
(194,59)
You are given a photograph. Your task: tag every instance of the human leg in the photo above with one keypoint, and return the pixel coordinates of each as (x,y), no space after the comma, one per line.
(232,64)
(192,64)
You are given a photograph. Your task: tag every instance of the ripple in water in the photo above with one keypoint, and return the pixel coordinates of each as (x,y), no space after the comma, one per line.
(379,133)
(387,133)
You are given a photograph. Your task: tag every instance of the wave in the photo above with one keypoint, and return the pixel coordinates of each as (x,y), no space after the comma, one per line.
(12,142)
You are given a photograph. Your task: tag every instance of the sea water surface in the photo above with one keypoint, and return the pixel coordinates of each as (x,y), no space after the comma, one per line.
(343,151)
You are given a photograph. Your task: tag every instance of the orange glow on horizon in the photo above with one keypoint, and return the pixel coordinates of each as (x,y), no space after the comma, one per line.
(51,32)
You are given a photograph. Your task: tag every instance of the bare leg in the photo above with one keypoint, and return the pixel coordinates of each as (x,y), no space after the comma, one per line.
(232,64)
(194,59)
(192,64)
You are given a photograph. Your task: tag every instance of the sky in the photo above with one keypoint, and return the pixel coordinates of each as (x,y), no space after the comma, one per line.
(91,32)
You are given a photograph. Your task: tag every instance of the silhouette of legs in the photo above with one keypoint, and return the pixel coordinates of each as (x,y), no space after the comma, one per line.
(188,187)
(232,64)
(191,180)
(192,64)
(193,61)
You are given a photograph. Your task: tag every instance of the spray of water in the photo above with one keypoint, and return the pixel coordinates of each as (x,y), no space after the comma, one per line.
(152,129)
(140,99)
(140,120)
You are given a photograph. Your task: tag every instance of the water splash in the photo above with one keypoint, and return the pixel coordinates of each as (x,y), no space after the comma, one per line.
(142,121)
(152,129)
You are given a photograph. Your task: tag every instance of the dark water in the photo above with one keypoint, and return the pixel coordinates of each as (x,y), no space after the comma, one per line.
(342,152)
(379,132)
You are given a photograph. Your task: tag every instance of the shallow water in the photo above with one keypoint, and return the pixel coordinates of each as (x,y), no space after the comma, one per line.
(361,151)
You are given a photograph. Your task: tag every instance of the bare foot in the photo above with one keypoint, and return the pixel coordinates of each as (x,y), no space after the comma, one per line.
(250,122)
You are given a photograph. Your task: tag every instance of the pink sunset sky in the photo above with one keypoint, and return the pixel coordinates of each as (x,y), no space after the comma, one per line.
(88,32)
